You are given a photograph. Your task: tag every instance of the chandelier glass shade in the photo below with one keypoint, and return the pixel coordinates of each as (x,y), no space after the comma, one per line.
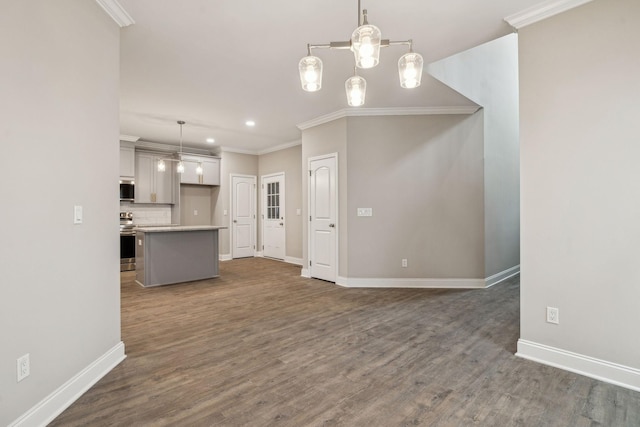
(410,70)
(310,68)
(365,43)
(356,88)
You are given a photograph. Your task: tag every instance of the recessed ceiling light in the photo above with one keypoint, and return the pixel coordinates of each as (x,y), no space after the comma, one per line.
(250,123)
(211,140)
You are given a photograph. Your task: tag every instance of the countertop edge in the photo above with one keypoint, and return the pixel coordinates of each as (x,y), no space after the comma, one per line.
(161,229)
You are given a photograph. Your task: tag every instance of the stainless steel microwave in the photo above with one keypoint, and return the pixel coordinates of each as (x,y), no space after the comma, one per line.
(127,191)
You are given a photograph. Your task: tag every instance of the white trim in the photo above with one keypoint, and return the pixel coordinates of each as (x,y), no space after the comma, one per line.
(407,111)
(55,403)
(620,375)
(375,282)
(116,12)
(293,260)
(226,149)
(129,138)
(542,11)
(287,259)
(259,254)
(502,276)
(224,257)
(305,273)
(280,147)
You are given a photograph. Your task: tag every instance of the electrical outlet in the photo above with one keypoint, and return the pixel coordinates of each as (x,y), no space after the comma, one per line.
(195,212)
(404,262)
(24,367)
(365,211)
(553,315)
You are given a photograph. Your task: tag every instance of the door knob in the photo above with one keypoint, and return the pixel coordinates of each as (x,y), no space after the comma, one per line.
(235,221)
(332,225)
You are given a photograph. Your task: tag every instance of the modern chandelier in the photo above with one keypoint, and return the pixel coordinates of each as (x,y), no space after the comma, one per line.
(180,167)
(365,44)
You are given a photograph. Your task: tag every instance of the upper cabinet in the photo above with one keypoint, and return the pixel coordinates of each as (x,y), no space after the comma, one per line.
(210,170)
(153,186)
(127,160)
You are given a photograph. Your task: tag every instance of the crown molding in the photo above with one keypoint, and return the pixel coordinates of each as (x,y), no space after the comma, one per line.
(542,11)
(129,138)
(368,112)
(237,150)
(280,147)
(116,12)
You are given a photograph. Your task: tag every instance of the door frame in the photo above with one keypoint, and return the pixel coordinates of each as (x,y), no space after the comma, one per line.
(337,201)
(263,205)
(231,212)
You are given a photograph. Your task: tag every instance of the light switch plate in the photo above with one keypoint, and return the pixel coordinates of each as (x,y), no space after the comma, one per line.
(77,214)
(365,211)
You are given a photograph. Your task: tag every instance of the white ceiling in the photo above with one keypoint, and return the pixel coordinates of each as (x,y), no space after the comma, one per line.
(216,64)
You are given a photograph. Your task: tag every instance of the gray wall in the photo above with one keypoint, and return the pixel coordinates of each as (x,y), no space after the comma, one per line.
(423,177)
(325,139)
(60,293)
(580,180)
(488,75)
(288,161)
(197,198)
(230,163)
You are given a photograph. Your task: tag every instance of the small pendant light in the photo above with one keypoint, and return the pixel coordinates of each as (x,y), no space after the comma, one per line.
(310,68)
(180,167)
(410,69)
(356,88)
(365,44)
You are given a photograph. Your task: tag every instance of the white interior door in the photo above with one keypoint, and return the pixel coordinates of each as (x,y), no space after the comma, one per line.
(273,225)
(323,200)
(243,216)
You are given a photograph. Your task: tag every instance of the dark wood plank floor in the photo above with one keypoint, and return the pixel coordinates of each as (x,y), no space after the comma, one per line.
(261,346)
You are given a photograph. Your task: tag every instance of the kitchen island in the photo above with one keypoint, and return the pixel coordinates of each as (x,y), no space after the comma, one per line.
(176,254)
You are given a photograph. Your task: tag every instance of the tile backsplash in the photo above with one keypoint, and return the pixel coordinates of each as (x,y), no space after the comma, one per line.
(148,214)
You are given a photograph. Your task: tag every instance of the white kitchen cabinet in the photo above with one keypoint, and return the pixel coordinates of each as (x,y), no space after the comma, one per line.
(210,170)
(127,160)
(153,186)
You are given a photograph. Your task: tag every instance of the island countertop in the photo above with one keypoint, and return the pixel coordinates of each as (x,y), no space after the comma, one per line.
(167,228)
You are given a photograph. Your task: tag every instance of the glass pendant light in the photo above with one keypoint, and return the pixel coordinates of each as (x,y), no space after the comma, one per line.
(356,88)
(180,167)
(161,166)
(310,68)
(410,70)
(199,170)
(365,44)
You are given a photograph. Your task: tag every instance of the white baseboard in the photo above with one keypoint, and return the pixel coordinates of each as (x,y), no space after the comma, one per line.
(53,405)
(259,254)
(503,275)
(305,273)
(374,282)
(620,375)
(224,257)
(292,260)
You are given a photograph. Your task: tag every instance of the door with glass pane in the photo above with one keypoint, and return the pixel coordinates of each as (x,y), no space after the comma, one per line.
(273,219)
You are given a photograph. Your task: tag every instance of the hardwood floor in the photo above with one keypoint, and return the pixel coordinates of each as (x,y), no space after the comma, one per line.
(261,346)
